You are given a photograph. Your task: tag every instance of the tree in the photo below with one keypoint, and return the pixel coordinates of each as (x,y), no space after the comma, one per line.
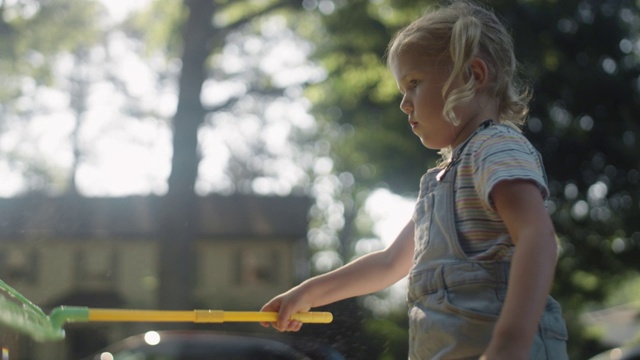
(179,201)
(197,33)
(202,37)
(31,45)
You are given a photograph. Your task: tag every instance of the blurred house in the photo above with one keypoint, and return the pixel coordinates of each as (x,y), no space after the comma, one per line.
(104,252)
(619,325)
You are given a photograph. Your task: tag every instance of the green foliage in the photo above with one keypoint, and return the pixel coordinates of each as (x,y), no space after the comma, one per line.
(159,26)
(389,336)
(627,291)
(586,111)
(34,36)
(31,37)
(45,34)
(238,11)
(359,91)
(36,25)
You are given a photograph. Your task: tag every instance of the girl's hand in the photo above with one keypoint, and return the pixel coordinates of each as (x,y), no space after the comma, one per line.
(367,274)
(285,305)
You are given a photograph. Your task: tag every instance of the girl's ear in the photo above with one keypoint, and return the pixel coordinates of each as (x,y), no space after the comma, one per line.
(479,71)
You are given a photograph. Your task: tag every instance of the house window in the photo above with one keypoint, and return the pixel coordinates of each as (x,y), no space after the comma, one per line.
(256,267)
(19,265)
(95,265)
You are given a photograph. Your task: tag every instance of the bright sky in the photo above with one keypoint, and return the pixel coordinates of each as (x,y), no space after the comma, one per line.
(120,8)
(390,213)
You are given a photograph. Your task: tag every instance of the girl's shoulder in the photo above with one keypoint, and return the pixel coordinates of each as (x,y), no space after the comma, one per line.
(501,152)
(508,132)
(499,137)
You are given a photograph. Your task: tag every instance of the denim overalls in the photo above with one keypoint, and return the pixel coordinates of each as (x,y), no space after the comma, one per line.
(454,302)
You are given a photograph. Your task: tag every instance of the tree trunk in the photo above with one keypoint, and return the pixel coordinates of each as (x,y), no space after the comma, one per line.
(179,204)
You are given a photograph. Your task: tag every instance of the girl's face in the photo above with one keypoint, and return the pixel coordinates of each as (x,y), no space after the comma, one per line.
(421,86)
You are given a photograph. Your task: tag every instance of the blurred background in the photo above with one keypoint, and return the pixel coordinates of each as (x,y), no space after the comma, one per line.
(169,154)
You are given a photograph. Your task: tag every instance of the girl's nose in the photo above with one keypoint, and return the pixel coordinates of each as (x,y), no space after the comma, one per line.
(406,106)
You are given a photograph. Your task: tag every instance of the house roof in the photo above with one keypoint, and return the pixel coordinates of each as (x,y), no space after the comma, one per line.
(141,216)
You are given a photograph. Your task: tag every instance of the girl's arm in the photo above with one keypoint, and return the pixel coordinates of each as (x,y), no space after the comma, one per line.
(522,209)
(367,274)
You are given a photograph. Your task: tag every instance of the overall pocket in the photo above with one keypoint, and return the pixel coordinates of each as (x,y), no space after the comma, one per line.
(421,283)
(475,301)
(551,340)
(474,292)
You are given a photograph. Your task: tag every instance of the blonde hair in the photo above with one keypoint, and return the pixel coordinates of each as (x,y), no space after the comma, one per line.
(454,35)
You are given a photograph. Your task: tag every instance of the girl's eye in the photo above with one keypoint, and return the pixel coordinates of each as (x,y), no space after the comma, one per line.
(413,83)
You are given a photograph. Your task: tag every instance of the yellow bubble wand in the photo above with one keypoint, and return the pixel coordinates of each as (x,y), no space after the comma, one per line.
(20,314)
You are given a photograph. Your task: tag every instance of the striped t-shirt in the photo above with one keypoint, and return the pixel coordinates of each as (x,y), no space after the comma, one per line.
(493,154)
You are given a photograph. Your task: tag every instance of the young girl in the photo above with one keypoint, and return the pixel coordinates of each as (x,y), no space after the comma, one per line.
(480,249)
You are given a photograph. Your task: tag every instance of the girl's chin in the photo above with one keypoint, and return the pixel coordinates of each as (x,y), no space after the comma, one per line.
(429,145)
